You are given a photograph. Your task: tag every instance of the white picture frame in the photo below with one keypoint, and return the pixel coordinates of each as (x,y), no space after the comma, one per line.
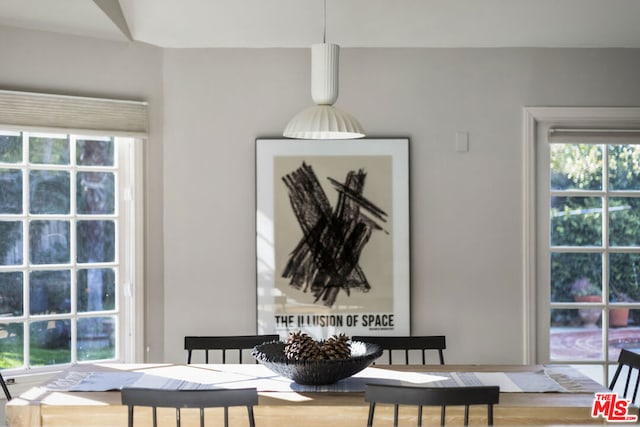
(332,237)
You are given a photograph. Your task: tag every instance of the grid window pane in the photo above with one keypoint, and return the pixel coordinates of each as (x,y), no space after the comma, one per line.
(96,338)
(624,277)
(59,265)
(49,242)
(11,295)
(95,193)
(582,340)
(96,289)
(50,292)
(49,192)
(11,344)
(594,251)
(50,342)
(576,221)
(49,150)
(91,152)
(10,191)
(96,241)
(624,167)
(576,167)
(575,275)
(11,242)
(10,148)
(624,331)
(624,221)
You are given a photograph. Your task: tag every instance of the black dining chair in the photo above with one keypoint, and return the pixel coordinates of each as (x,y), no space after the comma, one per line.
(431,396)
(631,361)
(222,344)
(407,344)
(5,388)
(180,399)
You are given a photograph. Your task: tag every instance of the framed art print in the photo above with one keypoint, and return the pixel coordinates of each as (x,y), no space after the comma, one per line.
(332,229)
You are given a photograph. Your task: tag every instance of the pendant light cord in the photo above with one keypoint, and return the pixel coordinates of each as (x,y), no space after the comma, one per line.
(324,23)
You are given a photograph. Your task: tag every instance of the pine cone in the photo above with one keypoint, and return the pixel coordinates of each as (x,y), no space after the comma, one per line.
(301,346)
(336,347)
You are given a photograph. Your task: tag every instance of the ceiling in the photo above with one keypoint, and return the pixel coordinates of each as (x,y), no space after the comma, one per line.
(350,23)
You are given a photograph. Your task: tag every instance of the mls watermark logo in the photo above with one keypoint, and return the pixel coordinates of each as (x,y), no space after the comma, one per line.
(612,408)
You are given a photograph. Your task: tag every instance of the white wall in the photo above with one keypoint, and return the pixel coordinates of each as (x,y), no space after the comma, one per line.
(466,209)
(53,63)
(209,106)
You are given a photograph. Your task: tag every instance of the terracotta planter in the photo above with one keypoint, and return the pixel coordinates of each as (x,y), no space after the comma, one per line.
(618,317)
(587,298)
(589,316)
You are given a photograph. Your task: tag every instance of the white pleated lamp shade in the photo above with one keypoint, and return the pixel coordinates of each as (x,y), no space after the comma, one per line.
(323,122)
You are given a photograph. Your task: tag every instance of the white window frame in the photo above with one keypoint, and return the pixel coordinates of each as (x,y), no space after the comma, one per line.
(536,123)
(60,114)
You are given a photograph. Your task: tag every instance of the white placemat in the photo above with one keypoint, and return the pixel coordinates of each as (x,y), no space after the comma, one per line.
(259,376)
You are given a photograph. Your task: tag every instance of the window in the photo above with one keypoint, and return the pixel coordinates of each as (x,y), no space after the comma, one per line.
(65,214)
(587,235)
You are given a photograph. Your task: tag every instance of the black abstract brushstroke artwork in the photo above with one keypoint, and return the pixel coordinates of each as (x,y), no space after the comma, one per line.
(325,260)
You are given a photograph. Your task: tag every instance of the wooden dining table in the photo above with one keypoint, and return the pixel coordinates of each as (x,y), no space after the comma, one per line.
(283,403)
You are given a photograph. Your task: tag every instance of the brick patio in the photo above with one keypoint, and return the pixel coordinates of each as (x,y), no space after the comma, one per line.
(584,344)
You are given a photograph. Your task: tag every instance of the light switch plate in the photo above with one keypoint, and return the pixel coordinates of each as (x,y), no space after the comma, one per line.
(462,141)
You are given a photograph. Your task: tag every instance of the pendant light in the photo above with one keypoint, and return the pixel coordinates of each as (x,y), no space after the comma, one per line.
(323,120)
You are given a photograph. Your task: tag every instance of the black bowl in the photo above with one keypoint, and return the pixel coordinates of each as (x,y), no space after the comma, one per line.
(316,372)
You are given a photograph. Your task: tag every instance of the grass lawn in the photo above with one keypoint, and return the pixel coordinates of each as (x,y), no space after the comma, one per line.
(9,358)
